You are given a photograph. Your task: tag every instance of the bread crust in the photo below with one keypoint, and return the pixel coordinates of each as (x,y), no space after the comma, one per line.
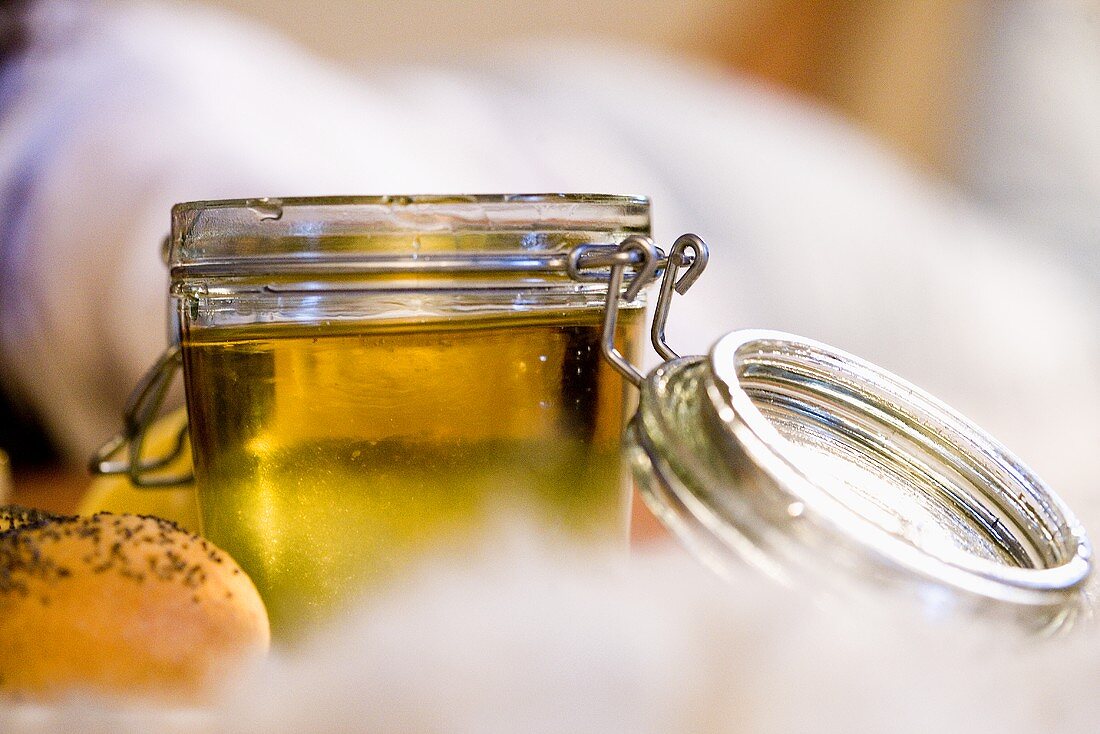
(123,605)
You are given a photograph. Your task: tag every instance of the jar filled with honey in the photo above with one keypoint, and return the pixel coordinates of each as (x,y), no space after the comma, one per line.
(369,378)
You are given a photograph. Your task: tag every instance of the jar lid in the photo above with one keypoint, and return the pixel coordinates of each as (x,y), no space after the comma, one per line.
(814,465)
(345,235)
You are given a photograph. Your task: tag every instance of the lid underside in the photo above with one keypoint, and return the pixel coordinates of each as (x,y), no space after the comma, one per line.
(794,455)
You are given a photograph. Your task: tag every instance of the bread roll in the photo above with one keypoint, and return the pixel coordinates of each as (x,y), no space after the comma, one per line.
(123,605)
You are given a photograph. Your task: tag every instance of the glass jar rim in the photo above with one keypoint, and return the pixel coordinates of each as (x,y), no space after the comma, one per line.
(406,200)
(784,494)
(379,233)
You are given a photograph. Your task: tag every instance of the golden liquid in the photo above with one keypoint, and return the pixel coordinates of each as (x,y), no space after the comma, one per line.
(328,456)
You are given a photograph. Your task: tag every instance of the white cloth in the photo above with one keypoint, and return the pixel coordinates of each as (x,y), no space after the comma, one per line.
(1031,129)
(120,110)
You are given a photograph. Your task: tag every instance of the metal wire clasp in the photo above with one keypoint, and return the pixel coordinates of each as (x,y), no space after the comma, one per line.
(689,251)
(142,409)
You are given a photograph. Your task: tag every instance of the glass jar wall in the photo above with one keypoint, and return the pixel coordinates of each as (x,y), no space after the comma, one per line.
(368,379)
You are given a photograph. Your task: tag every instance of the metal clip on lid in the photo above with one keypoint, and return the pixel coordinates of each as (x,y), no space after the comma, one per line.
(689,251)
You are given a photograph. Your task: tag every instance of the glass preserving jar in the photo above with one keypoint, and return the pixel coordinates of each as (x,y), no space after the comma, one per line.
(369,377)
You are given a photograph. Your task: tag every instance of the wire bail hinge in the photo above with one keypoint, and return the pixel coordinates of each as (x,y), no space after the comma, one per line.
(638,252)
(142,410)
(678,258)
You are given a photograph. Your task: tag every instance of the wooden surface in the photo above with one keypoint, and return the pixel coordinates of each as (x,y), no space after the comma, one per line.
(55,490)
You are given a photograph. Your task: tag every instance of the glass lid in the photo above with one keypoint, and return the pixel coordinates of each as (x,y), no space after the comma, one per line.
(822,469)
(804,460)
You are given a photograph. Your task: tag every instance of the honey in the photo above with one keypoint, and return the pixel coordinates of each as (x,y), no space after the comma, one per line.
(328,455)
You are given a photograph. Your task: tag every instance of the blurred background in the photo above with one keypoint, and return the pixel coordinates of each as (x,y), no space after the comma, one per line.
(915,73)
(915,181)
(899,68)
